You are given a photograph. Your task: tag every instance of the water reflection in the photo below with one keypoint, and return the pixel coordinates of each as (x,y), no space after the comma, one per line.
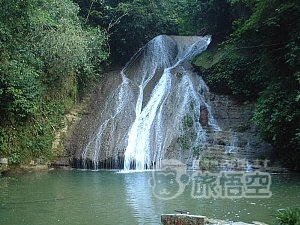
(140,197)
(107,197)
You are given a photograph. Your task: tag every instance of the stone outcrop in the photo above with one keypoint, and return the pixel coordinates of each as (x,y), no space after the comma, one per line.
(3,164)
(238,144)
(186,219)
(163,109)
(182,219)
(90,117)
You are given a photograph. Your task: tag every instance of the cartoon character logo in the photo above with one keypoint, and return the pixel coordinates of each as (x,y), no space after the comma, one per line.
(170,181)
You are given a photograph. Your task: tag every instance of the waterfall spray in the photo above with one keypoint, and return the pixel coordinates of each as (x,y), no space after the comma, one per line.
(154,113)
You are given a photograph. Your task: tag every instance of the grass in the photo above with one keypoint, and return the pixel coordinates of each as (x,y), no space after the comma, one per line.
(288,216)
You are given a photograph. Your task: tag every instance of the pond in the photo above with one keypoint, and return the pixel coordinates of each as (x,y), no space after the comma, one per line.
(70,197)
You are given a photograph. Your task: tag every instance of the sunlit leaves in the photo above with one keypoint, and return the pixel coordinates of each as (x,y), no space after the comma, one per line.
(288,216)
(47,56)
(64,44)
(265,68)
(131,24)
(21,90)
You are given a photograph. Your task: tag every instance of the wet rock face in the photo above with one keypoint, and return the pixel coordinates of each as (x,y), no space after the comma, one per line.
(237,145)
(91,117)
(231,114)
(145,110)
(157,107)
(239,138)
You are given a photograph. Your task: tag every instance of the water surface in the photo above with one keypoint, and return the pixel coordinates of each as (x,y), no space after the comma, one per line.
(109,197)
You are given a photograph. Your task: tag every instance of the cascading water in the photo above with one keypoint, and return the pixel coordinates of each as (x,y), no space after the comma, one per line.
(156,111)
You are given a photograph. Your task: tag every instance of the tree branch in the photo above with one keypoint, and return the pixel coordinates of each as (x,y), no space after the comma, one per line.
(89,12)
(113,23)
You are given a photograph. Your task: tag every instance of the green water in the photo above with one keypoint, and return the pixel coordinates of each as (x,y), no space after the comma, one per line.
(108,197)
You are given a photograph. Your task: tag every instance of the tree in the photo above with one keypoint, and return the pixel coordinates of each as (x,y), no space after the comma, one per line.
(261,59)
(201,17)
(130,24)
(47,57)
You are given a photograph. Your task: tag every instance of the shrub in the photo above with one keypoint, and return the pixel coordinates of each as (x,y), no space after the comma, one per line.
(288,216)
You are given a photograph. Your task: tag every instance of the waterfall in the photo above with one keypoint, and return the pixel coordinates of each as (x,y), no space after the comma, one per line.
(159,110)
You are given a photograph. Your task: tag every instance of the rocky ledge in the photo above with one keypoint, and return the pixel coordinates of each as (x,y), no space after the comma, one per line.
(187,219)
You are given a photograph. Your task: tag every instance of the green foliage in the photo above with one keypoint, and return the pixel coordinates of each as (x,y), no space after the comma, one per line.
(72,53)
(184,141)
(277,111)
(49,56)
(260,62)
(89,71)
(272,107)
(130,24)
(209,162)
(3,138)
(20,90)
(278,115)
(288,216)
(235,74)
(205,17)
(197,151)
(188,135)
(188,122)
(14,158)
(47,59)
(32,140)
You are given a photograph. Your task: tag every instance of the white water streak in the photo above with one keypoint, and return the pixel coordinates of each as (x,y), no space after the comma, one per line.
(145,115)
(150,135)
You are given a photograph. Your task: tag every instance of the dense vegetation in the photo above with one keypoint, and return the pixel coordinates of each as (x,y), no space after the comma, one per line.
(51,53)
(47,58)
(288,216)
(260,61)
